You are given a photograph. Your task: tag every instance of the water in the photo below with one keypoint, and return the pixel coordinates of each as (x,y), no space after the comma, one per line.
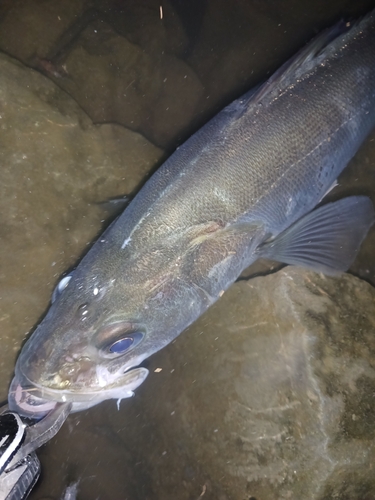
(161,69)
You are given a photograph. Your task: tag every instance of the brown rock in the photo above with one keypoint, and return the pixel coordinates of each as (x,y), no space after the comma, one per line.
(116,81)
(117,61)
(270,395)
(29,29)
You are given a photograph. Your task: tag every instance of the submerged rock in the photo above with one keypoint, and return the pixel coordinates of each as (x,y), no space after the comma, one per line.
(269,396)
(119,62)
(33,29)
(115,80)
(55,169)
(29,29)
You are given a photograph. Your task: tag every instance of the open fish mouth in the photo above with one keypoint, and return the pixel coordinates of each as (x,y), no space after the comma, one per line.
(35,401)
(26,401)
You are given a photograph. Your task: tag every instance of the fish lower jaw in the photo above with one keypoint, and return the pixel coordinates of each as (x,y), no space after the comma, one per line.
(91,389)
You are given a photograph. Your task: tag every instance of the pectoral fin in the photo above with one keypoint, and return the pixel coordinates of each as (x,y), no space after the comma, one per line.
(326,240)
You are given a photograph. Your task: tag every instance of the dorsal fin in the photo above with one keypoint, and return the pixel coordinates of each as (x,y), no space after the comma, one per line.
(309,57)
(293,69)
(301,63)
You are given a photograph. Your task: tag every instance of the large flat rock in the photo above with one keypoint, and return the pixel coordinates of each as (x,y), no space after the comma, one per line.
(269,396)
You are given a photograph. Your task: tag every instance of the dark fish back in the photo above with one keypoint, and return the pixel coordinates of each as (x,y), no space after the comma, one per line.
(270,156)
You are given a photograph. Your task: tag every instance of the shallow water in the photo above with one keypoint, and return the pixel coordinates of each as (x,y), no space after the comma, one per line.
(160,69)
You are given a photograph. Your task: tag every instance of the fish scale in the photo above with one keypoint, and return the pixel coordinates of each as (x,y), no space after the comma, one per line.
(258,169)
(243,187)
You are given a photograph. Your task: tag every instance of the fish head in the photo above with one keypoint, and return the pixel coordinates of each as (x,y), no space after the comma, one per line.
(102,323)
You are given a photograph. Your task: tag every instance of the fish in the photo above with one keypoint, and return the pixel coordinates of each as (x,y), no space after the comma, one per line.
(244,186)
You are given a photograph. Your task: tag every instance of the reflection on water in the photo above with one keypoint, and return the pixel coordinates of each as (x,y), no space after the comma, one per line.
(160,69)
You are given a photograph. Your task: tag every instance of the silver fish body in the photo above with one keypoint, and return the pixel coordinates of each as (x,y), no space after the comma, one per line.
(234,191)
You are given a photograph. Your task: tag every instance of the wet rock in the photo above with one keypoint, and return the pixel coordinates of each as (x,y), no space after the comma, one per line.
(268,396)
(29,29)
(156,27)
(118,62)
(116,81)
(33,29)
(56,167)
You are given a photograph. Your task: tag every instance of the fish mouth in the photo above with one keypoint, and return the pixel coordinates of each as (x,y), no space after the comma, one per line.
(27,402)
(35,400)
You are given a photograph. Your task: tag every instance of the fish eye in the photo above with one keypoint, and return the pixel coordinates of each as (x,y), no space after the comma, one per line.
(62,284)
(124,344)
